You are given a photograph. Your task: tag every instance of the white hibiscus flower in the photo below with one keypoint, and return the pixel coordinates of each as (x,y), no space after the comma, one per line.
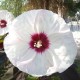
(5,20)
(40,43)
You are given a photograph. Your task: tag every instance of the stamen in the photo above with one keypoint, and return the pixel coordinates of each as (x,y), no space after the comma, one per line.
(38,44)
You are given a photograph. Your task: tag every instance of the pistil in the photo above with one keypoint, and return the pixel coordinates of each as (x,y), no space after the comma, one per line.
(38,44)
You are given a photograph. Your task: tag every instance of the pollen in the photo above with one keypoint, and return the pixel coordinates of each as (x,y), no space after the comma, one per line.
(38,44)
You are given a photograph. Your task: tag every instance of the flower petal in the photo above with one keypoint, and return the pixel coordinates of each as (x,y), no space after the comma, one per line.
(49,22)
(35,67)
(64,48)
(15,47)
(64,40)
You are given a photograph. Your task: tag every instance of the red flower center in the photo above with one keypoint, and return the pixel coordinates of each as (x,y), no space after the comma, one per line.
(1,45)
(3,23)
(39,42)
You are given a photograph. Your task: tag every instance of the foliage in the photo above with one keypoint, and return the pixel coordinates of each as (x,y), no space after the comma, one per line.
(72,7)
(31,78)
(3,63)
(78,66)
(77,6)
(2,70)
(13,6)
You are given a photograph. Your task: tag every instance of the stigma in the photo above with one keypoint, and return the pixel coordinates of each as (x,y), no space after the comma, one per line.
(38,44)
